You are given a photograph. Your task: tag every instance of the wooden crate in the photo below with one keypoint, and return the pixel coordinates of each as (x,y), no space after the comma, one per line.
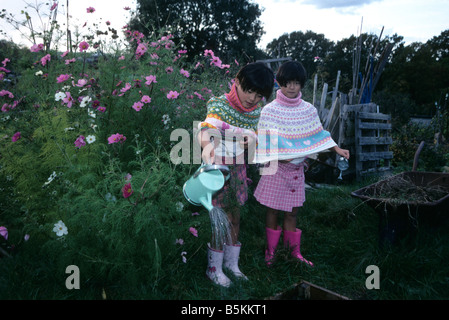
(307,291)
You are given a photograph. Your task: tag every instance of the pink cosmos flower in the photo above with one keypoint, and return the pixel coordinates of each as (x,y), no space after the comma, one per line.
(95,104)
(69,61)
(80,142)
(90,10)
(146,99)
(4,70)
(141,49)
(125,88)
(4,62)
(116,138)
(64,54)
(137,35)
(37,47)
(4,232)
(172,95)
(193,231)
(198,95)
(83,46)
(81,83)
(127,190)
(101,109)
(63,77)
(150,79)
(45,59)
(185,73)
(16,136)
(6,107)
(6,93)
(68,99)
(215,61)
(169,70)
(137,106)
(209,52)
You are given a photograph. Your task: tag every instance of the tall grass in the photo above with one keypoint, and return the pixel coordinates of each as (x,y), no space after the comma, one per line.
(340,235)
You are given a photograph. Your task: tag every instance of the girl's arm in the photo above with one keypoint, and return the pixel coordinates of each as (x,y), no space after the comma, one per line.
(208,153)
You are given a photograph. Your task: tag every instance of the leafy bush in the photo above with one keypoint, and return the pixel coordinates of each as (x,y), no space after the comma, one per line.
(405,144)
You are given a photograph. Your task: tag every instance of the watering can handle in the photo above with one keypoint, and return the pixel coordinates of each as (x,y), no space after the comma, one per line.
(211,167)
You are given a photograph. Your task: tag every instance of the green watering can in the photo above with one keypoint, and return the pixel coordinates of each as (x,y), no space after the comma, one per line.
(206,181)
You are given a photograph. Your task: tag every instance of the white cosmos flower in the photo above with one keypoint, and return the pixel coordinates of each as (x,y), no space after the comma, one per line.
(59,96)
(91,113)
(85,101)
(60,229)
(39,73)
(90,139)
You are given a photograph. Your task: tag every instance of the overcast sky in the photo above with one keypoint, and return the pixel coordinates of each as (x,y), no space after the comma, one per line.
(415,20)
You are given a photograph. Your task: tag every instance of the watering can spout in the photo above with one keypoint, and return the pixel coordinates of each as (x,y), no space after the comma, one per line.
(207,201)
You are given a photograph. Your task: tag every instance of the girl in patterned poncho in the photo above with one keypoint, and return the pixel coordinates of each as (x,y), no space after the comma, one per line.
(234,114)
(299,133)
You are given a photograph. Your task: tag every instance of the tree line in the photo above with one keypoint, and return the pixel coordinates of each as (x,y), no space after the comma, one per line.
(414,80)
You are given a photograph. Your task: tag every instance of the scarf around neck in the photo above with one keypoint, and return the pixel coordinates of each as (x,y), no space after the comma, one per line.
(234,100)
(289,129)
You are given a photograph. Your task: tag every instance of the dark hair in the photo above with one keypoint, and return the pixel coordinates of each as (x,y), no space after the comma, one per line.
(256,76)
(291,71)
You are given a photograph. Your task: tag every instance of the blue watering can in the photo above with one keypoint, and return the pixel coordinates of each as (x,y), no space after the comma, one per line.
(206,181)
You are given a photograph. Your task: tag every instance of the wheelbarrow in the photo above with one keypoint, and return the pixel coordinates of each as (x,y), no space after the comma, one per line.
(406,200)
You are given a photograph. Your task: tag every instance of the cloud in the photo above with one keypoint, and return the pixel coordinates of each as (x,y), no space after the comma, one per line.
(328,4)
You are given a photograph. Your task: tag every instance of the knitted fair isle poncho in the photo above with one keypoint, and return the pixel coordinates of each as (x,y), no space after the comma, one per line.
(227,115)
(290,128)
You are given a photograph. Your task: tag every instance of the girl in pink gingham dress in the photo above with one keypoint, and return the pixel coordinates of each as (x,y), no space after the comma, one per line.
(300,133)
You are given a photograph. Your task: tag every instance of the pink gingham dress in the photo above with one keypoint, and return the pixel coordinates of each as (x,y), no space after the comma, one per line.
(283,190)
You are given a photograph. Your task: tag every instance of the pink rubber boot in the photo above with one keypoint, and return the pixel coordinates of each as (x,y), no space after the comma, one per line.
(292,240)
(272,243)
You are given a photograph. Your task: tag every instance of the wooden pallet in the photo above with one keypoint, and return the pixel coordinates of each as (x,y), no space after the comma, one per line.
(372,142)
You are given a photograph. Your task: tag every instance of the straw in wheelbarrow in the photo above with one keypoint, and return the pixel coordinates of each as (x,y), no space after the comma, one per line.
(401,189)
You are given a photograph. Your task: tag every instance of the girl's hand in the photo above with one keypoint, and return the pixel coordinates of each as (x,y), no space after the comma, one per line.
(208,154)
(342,152)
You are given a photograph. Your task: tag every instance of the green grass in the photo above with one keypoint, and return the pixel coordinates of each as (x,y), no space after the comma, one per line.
(340,235)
